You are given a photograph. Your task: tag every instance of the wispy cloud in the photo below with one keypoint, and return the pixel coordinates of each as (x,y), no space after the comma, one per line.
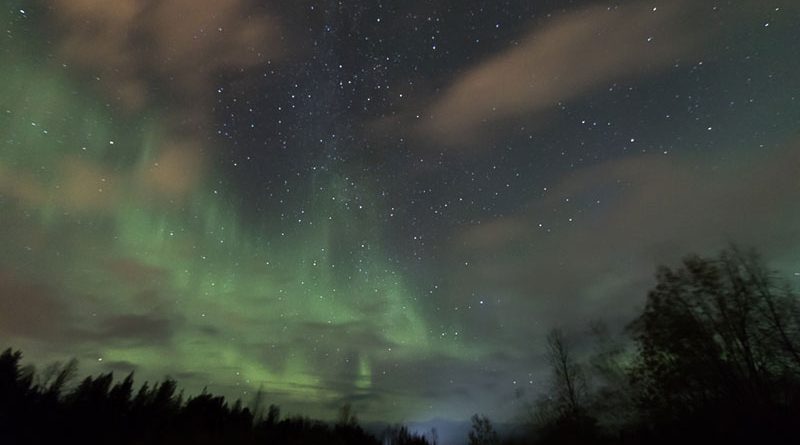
(571,55)
(144,54)
(147,51)
(654,209)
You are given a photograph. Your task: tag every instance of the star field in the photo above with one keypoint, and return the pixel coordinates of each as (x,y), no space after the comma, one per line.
(382,203)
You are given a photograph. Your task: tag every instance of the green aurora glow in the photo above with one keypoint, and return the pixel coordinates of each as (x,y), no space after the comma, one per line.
(335,211)
(315,316)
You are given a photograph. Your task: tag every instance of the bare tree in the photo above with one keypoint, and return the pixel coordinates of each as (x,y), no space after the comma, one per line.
(568,377)
(347,416)
(482,432)
(719,332)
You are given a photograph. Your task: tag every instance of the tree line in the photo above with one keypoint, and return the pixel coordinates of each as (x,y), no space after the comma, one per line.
(714,356)
(35,409)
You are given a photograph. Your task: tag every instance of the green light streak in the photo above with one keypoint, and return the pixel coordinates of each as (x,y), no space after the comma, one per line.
(246,308)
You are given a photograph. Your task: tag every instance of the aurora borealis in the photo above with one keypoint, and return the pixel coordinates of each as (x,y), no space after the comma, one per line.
(382,203)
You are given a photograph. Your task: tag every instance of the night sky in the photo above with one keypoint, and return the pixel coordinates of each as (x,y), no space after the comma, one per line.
(377,202)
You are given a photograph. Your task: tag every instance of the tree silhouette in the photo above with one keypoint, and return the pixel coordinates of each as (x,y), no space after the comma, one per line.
(100,411)
(347,416)
(399,435)
(562,415)
(568,377)
(482,432)
(717,346)
(611,397)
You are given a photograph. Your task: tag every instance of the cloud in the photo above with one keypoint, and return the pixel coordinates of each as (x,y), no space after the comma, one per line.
(29,310)
(167,54)
(162,58)
(174,47)
(35,311)
(575,53)
(445,384)
(177,169)
(654,210)
(81,186)
(144,329)
(120,366)
(129,330)
(135,272)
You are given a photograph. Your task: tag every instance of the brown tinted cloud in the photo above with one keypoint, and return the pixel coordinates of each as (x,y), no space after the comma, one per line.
(148,53)
(26,309)
(81,186)
(571,55)
(654,209)
(142,49)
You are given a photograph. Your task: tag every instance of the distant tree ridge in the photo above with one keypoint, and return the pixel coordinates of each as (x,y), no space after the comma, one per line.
(34,409)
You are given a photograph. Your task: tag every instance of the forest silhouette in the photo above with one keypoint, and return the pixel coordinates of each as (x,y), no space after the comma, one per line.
(713,357)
